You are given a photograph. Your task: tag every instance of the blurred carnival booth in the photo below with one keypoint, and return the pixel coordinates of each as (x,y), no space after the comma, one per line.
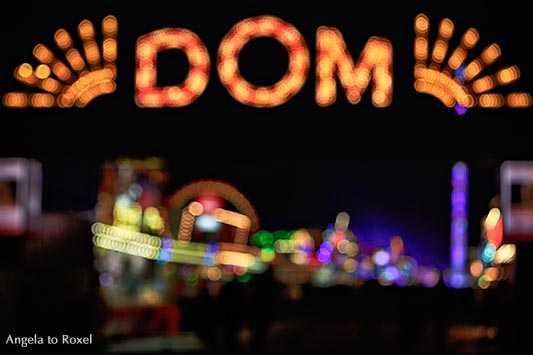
(195,263)
(194,259)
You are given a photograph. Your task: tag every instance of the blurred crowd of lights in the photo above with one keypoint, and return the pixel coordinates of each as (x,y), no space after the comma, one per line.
(170,250)
(338,258)
(135,230)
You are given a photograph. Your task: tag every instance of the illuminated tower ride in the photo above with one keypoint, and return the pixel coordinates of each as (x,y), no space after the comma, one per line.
(457,276)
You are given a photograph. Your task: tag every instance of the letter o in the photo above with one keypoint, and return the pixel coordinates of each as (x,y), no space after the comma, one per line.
(266,96)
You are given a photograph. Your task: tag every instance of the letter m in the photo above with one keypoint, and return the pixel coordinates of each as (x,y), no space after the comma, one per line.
(333,58)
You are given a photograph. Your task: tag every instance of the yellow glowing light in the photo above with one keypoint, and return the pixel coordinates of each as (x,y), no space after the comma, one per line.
(508,75)
(283,246)
(449,87)
(351,249)
(110,26)
(25,70)
(238,220)
(470,38)
(74,84)
(75,60)
(446,28)
(491,53)
(127,216)
(16,100)
(43,54)
(491,273)
(440,47)
(41,100)
(233,218)
(88,87)
(491,100)
(196,208)
(299,259)
(86,30)
(519,100)
(235,258)
(132,242)
(63,39)
(187,223)
(214,273)
(421,24)
(152,219)
(484,84)
(350,265)
(267,255)
(51,85)
(473,69)
(505,254)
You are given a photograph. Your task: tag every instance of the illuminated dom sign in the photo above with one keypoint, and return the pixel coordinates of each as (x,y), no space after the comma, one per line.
(90,71)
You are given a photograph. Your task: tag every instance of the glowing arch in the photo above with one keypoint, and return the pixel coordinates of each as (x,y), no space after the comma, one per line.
(228,192)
